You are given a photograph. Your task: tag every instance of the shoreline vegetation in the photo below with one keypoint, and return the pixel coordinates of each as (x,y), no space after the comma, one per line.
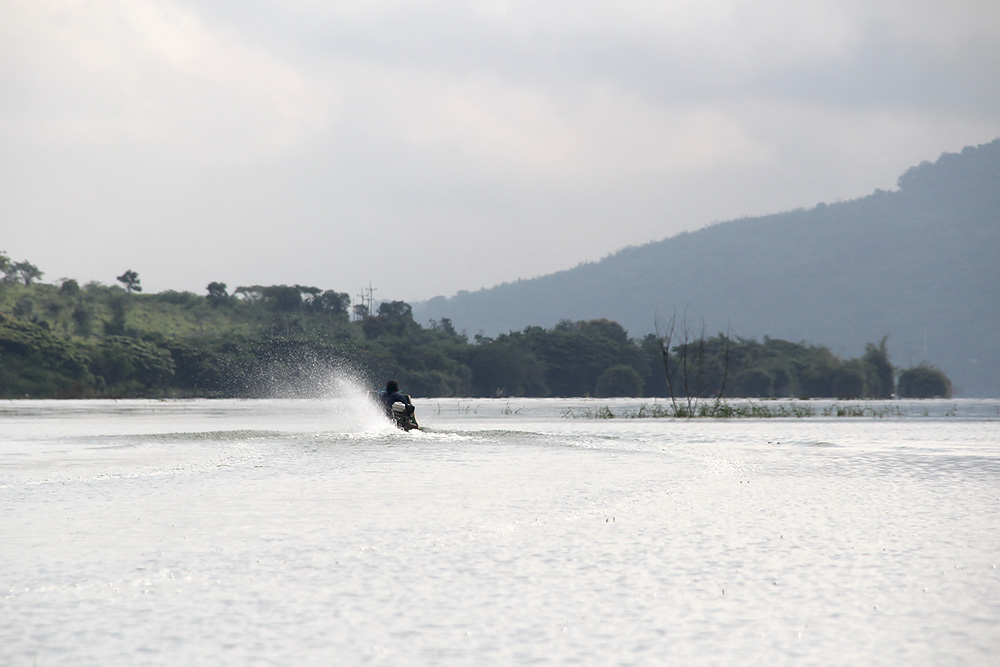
(101,341)
(747,409)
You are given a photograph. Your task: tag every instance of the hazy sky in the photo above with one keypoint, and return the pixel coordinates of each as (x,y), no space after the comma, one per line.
(434,146)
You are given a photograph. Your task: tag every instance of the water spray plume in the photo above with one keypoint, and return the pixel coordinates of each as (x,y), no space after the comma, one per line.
(354,403)
(343,389)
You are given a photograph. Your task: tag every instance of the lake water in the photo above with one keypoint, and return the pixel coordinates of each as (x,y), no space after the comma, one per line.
(310,532)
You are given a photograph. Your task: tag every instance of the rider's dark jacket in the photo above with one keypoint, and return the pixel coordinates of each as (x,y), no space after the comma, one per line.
(394,397)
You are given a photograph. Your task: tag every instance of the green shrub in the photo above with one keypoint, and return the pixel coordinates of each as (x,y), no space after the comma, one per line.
(924,381)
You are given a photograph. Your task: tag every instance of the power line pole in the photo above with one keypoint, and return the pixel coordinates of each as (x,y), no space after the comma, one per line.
(367,301)
(359,305)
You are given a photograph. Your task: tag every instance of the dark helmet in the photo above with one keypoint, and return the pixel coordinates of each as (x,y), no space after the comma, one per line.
(391,386)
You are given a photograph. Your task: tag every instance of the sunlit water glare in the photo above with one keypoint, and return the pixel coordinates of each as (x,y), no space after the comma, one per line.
(279,532)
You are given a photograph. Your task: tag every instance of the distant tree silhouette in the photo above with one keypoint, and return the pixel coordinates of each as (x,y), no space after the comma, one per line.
(879,380)
(217,293)
(27,272)
(924,381)
(130,279)
(695,368)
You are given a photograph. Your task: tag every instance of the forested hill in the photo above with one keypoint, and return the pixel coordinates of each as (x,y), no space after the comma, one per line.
(920,264)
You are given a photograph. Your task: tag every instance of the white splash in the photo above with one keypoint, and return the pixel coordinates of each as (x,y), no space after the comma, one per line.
(353,405)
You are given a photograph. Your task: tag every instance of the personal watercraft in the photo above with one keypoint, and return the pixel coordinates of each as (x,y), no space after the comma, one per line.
(403,417)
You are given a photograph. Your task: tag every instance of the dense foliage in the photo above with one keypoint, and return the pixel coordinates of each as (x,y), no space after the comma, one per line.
(109,341)
(924,382)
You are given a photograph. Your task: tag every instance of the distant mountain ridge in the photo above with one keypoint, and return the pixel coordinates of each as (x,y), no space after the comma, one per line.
(920,264)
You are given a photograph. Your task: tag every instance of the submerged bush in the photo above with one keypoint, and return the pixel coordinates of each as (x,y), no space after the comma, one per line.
(923,381)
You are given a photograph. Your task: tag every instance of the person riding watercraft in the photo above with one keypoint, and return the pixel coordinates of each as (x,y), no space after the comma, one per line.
(398,407)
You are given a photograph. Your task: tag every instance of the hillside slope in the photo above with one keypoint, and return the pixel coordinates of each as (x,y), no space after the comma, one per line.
(920,264)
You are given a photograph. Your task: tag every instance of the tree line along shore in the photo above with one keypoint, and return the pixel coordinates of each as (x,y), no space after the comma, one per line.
(113,341)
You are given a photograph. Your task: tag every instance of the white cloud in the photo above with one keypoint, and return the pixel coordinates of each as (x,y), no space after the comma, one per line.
(282,141)
(152,75)
(937,29)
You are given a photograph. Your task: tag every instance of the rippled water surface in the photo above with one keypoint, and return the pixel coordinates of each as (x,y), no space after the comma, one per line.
(510,532)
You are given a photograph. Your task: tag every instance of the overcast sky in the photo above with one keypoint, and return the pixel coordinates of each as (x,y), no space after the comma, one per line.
(433,146)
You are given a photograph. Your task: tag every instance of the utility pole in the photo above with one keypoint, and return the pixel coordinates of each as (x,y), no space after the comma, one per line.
(367,300)
(359,304)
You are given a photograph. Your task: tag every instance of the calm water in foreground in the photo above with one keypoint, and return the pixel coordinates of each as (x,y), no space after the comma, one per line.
(310,532)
